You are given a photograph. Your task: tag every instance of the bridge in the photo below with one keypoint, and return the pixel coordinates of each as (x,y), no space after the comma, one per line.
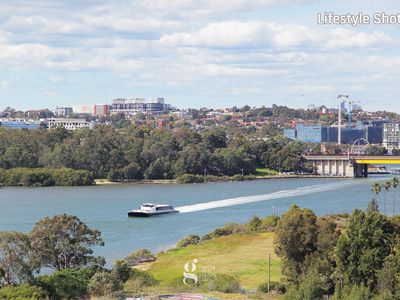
(348,165)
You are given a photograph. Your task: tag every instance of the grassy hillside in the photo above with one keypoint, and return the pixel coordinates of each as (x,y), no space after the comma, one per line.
(243,256)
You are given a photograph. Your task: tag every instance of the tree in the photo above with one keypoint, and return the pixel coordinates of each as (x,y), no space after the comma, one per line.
(374,150)
(376,189)
(215,138)
(389,278)
(395,184)
(386,186)
(361,250)
(64,241)
(373,206)
(295,239)
(159,169)
(16,263)
(308,289)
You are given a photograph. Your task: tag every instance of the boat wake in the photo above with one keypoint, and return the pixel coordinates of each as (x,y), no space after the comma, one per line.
(301,191)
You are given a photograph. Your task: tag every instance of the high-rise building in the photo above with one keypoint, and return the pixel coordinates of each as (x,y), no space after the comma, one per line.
(391,136)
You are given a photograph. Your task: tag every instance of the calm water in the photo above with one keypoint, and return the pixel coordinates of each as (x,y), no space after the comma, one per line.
(105,207)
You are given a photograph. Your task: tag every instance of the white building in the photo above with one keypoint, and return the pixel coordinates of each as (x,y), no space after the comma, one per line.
(391,136)
(63,111)
(134,106)
(70,124)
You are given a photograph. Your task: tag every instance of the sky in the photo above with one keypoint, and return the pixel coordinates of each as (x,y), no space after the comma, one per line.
(196,53)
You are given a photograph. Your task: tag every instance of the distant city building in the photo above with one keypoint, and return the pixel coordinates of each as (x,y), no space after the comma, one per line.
(138,105)
(356,107)
(70,124)
(329,134)
(63,111)
(20,124)
(96,110)
(391,136)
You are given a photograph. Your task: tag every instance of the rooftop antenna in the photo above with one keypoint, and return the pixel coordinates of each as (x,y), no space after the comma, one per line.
(340,97)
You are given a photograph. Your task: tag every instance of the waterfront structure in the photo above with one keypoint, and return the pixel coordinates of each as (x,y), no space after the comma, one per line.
(391,136)
(134,106)
(348,165)
(70,124)
(96,110)
(329,134)
(63,111)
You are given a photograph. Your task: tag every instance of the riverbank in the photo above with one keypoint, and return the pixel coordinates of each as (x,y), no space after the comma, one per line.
(215,179)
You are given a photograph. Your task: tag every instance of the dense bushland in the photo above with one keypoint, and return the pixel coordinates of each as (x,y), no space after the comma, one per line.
(134,153)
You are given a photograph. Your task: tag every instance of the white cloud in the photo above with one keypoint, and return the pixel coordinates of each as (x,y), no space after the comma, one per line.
(215,5)
(266,34)
(21,53)
(44,24)
(4,84)
(143,24)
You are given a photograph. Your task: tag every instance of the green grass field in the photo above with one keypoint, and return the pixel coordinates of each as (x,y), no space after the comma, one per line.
(243,256)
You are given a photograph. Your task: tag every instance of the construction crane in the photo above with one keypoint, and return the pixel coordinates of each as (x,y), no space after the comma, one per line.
(341,97)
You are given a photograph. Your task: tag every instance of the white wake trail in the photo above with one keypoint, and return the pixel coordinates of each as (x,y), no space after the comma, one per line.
(301,191)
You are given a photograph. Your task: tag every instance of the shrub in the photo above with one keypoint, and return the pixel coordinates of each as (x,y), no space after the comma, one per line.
(190,240)
(269,223)
(140,256)
(190,178)
(67,283)
(223,283)
(228,229)
(140,279)
(121,270)
(274,286)
(213,178)
(23,291)
(45,177)
(355,293)
(254,223)
(237,177)
(104,283)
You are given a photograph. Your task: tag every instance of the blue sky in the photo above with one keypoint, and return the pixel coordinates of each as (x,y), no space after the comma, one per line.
(195,53)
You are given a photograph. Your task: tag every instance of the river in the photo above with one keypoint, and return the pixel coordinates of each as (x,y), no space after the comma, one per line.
(203,207)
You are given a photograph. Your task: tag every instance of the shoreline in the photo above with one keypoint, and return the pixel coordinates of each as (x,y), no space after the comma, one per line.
(106,182)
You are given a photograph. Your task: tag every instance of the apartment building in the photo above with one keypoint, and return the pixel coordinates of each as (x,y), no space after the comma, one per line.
(391,136)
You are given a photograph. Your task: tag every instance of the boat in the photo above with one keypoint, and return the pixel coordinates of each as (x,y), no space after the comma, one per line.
(395,171)
(150,209)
